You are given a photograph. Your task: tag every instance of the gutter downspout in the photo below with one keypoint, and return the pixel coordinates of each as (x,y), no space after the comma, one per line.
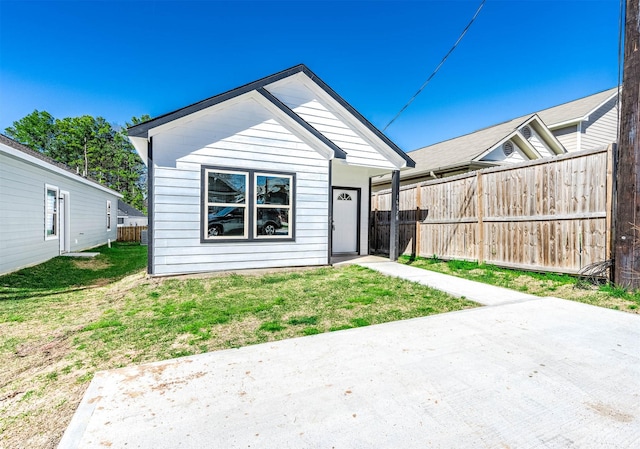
(579,137)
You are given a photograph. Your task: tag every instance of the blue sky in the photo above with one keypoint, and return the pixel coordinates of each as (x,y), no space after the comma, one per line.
(119,59)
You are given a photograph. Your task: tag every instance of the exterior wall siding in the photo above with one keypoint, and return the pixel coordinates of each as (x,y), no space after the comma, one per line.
(568,137)
(242,137)
(601,128)
(539,145)
(22,214)
(302,101)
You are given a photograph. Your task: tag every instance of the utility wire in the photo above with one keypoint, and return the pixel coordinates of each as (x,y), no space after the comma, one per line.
(437,68)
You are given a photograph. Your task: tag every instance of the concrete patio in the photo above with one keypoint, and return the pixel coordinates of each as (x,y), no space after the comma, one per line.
(525,372)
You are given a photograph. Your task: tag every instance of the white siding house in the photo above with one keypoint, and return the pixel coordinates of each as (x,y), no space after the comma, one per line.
(47,210)
(130,216)
(275,173)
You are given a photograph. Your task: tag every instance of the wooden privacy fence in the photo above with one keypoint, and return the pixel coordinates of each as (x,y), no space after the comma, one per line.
(548,215)
(130,233)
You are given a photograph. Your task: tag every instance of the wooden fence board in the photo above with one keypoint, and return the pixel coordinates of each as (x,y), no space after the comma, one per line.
(130,233)
(548,215)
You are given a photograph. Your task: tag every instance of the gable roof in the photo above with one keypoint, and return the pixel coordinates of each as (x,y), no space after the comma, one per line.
(31,155)
(129,210)
(576,110)
(141,130)
(463,150)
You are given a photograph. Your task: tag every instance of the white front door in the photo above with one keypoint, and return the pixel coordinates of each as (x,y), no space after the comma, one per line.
(345,220)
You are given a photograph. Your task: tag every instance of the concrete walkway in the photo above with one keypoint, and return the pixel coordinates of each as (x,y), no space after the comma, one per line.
(474,291)
(527,372)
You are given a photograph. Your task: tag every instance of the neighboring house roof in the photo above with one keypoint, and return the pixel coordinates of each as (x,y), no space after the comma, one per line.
(26,153)
(574,111)
(466,152)
(463,149)
(128,210)
(141,131)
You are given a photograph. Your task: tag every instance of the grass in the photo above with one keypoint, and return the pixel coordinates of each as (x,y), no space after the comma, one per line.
(67,273)
(540,284)
(64,320)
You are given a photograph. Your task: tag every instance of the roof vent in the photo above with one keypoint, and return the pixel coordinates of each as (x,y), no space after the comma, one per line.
(526,132)
(507,148)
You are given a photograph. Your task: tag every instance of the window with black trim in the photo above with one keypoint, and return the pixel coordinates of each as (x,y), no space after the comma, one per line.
(51,212)
(246,205)
(273,205)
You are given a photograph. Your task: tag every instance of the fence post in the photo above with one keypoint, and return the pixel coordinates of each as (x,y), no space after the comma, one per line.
(480,214)
(609,203)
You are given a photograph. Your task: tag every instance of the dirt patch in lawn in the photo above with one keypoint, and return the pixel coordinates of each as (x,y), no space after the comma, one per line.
(91,264)
(52,345)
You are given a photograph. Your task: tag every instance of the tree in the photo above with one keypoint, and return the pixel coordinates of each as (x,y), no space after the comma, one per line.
(90,145)
(36,130)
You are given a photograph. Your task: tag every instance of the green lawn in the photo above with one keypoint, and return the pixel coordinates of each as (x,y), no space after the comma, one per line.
(62,321)
(540,284)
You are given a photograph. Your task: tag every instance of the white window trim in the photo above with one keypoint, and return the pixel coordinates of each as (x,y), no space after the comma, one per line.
(56,212)
(289,206)
(207,204)
(108,215)
(251,204)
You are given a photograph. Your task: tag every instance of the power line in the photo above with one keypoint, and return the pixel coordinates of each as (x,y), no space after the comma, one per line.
(438,67)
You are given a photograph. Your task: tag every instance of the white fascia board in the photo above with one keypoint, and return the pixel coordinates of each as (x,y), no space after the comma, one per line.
(526,147)
(584,118)
(509,136)
(588,114)
(573,121)
(543,131)
(522,143)
(493,147)
(365,133)
(52,168)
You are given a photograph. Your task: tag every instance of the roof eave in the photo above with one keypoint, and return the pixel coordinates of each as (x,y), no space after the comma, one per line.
(142,129)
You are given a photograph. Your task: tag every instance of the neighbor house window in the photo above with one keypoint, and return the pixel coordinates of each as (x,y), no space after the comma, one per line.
(246,205)
(108,215)
(51,212)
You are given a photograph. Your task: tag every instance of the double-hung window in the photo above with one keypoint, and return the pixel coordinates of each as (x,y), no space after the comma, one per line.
(246,205)
(108,215)
(226,214)
(272,205)
(51,212)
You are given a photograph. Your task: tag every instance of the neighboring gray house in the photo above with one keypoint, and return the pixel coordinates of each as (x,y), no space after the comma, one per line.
(130,216)
(46,209)
(275,173)
(583,124)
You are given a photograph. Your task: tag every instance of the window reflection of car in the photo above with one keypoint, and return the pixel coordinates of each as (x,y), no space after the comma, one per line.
(269,221)
(230,221)
(227,221)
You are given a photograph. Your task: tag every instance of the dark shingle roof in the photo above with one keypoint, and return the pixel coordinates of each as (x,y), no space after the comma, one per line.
(129,210)
(31,152)
(142,129)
